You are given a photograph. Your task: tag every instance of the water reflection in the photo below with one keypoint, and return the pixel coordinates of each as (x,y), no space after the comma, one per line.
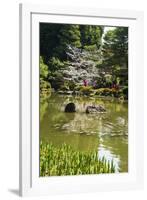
(107,132)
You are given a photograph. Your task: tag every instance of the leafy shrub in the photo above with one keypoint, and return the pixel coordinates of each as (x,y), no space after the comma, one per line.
(71,85)
(115,92)
(86,90)
(55,64)
(56,80)
(64,87)
(108,92)
(43,69)
(45,86)
(104,91)
(125,91)
(78,87)
(68,85)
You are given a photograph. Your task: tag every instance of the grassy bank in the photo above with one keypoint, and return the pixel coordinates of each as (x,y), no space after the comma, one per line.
(66,161)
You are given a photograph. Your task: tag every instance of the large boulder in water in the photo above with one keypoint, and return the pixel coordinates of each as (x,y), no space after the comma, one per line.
(70,107)
(95,109)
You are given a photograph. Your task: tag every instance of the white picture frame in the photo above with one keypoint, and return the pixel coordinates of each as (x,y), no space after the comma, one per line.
(30,182)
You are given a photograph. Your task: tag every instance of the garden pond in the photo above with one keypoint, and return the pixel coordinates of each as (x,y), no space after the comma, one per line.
(106,133)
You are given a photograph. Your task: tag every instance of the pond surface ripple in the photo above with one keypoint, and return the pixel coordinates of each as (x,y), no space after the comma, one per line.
(105,132)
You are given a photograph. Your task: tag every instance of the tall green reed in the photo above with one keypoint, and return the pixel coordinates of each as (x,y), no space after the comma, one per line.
(64,160)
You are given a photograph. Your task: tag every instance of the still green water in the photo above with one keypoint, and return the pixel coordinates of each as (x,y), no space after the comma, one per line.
(105,132)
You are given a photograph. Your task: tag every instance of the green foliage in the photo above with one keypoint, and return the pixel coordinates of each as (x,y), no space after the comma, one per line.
(48,39)
(43,69)
(55,64)
(90,48)
(64,160)
(90,91)
(103,91)
(108,78)
(64,87)
(91,35)
(54,38)
(68,35)
(71,85)
(56,80)
(115,47)
(55,77)
(115,53)
(108,92)
(86,90)
(125,92)
(44,84)
(43,104)
(68,85)
(110,55)
(45,87)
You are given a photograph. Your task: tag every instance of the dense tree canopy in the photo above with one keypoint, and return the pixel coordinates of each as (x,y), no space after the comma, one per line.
(54,38)
(48,40)
(91,35)
(115,47)
(106,51)
(68,34)
(115,54)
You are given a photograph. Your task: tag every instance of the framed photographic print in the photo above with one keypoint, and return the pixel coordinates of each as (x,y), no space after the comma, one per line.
(81,97)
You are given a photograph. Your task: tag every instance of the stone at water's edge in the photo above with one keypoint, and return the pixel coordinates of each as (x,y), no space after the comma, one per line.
(95,109)
(70,107)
